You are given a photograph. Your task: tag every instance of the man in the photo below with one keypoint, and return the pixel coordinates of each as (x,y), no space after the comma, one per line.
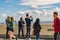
(56,25)
(21,27)
(28,25)
(7,26)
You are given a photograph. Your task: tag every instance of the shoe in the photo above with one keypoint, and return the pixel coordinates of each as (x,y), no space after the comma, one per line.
(14,37)
(7,36)
(29,38)
(18,36)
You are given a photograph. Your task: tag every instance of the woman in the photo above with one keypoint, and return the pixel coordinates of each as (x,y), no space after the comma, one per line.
(11,30)
(37,28)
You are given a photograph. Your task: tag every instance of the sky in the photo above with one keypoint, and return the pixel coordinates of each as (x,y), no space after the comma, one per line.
(42,9)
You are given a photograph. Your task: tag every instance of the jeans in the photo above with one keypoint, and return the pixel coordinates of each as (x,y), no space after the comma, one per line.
(37,36)
(7,30)
(20,29)
(56,35)
(28,31)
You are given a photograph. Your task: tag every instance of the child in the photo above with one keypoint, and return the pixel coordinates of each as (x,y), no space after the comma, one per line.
(37,28)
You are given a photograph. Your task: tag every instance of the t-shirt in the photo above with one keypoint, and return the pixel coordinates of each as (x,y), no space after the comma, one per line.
(11,25)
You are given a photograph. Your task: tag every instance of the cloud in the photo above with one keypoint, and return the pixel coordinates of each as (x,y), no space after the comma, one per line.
(7,1)
(3,15)
(57,9)
(48,6)
(35,3)
(21,12)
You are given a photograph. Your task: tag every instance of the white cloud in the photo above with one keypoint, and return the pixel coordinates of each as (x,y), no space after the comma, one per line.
(21,12)
(46,6)
(45,12)
(57,9)
(35,3)
(3,15)
(7,1)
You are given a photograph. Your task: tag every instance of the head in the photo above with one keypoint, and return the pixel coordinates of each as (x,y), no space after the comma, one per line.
(21,18)
(12,19)
(27,15)
(37,21)
(8,17)
(55,14)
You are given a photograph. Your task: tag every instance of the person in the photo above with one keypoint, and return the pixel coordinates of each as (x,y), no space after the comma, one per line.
(11,29)
(56,25)
(21,27)
(28,25)
(7,26)
(37,28)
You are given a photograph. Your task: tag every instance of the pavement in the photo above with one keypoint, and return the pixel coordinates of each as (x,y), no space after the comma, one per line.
(23,39)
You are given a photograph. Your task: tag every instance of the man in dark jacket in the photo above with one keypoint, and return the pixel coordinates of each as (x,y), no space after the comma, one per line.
(28,25)
(21,27)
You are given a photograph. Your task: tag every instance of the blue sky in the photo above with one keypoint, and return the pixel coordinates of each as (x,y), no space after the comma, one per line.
(43,8)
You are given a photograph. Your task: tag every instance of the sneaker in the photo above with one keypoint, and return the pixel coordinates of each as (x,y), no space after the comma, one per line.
(18,36)
(29,38)
(26,39)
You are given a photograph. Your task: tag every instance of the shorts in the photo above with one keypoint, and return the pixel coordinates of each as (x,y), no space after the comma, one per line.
(11,30)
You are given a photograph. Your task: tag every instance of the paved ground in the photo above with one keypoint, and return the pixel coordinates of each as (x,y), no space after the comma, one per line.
(24,39)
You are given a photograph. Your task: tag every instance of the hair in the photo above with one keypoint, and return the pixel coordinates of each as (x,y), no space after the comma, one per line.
(27,14)
(55,13)
(7,16)
(21,18)
(12,19)
(37,22)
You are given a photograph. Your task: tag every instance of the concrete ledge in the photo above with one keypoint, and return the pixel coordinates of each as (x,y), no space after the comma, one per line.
(32,36)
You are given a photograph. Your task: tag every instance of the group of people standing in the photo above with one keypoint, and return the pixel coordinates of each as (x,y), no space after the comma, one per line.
(36,26)
(28,20)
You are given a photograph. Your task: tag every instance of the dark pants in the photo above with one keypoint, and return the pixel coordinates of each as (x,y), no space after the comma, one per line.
(56,35)
(28,31)
(21,29)
(37,36)
(7,30)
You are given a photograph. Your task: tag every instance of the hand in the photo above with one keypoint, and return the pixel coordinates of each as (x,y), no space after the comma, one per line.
(52,25)
(30,16)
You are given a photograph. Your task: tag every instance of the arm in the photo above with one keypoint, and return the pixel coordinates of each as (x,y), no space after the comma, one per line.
(53,23)
(23,22)
(31,19)
(40,26)
(18,23)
